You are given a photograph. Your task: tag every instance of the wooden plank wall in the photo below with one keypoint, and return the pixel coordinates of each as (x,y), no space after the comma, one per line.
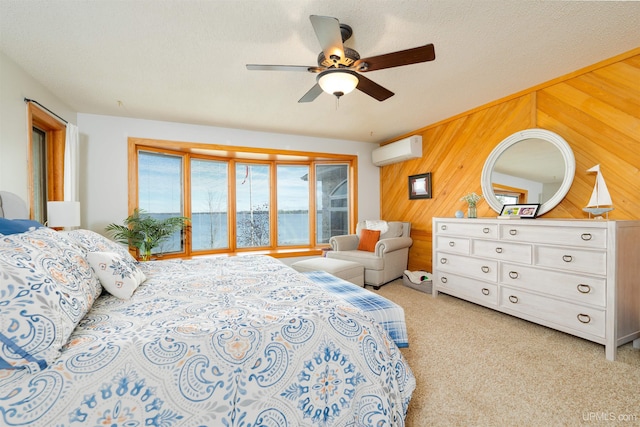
(597,110)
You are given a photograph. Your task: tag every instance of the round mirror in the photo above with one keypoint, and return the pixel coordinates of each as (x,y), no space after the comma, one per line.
(530,166)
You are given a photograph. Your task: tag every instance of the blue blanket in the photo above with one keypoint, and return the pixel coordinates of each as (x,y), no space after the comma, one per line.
(387,313)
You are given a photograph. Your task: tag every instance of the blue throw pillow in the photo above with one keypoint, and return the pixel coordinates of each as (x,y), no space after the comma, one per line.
(14,226)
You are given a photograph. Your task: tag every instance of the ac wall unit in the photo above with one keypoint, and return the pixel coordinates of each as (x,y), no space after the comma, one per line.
(399,151)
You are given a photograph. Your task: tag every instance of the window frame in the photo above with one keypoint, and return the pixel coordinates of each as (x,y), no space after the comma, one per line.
(233,155)
(55,136)
(310,187)
(520,193)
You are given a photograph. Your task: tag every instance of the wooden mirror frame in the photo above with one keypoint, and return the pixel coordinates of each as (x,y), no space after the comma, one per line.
(551,137)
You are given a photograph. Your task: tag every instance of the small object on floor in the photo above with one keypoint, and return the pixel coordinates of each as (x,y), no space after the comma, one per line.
(420,280)
(417,277)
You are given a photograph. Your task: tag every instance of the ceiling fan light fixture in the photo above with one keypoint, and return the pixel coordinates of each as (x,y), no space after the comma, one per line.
(338,82)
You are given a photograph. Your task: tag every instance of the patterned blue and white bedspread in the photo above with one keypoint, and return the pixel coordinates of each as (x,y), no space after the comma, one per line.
(242,341)
(389,314)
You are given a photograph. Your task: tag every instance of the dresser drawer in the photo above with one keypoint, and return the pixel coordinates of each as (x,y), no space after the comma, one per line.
(467,228)
(574,287)
(572,259)
(573,316)
(458,245)
(466,288)
(482,269)
(505,251)
(586,237)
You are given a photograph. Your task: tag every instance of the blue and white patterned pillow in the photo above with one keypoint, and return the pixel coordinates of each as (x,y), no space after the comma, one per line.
(120,277)
(46,288)
(94,242)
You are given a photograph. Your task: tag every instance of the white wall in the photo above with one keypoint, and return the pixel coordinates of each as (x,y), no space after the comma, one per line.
(103,157)
(103,140)
(15,85)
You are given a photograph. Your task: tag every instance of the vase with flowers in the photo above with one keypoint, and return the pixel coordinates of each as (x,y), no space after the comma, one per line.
(472,200)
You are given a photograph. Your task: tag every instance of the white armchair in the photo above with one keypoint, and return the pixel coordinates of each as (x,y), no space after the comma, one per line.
(389,259)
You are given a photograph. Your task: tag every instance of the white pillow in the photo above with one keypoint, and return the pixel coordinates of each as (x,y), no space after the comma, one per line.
(395,230)
(377,224)
(118,276)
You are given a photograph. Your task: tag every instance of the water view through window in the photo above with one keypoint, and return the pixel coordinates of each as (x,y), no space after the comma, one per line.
(263,195)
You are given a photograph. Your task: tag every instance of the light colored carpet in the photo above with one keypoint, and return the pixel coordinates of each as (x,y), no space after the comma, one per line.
(477,367)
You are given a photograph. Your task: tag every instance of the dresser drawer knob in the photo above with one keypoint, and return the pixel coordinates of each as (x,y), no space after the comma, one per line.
(485,230)
(443,227)
(513,274)
(513,299)
(584,289)
(567,258)
(586,236)
(485,269)
(513,232)
(443,279)
(443,260)
(485,291)
(499,250)
(584,318)
(452,244)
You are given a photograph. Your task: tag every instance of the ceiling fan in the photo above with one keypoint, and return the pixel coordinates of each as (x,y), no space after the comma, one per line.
(340,68)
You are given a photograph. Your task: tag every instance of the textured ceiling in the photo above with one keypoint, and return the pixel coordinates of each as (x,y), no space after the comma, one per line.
(184,61)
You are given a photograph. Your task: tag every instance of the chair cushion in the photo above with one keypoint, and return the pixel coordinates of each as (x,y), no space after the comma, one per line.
(394,230)
(391,228)
(376,224)
(368,240)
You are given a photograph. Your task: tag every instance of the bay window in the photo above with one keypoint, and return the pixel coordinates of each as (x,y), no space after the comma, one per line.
(241,199)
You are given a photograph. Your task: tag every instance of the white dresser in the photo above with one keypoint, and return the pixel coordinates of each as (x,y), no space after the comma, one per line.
(578,276)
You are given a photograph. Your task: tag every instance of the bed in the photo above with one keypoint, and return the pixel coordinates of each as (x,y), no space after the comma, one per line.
(213,341)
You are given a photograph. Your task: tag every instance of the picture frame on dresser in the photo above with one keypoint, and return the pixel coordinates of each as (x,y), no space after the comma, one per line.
(528,210)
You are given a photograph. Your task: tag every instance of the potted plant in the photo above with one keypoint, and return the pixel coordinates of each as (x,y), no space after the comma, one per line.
(143,232)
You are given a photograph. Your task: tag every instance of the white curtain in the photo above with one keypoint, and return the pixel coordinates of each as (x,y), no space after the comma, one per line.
(71,164)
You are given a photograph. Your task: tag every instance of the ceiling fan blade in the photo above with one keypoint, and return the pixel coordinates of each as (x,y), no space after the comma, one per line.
(313,93)
(395,59)
(328,32)
(259,67)
(373,89)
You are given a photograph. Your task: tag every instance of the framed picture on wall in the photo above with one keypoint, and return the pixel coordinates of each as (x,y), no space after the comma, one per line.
(420,186)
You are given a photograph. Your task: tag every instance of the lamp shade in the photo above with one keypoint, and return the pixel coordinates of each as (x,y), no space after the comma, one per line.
(338,82)
(63,214)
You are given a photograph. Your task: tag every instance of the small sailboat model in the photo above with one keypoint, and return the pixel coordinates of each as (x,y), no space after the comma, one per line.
(600,201)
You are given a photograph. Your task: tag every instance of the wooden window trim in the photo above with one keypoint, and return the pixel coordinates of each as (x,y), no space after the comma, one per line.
(521,193)
(235,154)
(55,139)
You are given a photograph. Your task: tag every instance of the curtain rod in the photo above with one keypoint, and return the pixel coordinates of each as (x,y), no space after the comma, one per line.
(46,109)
